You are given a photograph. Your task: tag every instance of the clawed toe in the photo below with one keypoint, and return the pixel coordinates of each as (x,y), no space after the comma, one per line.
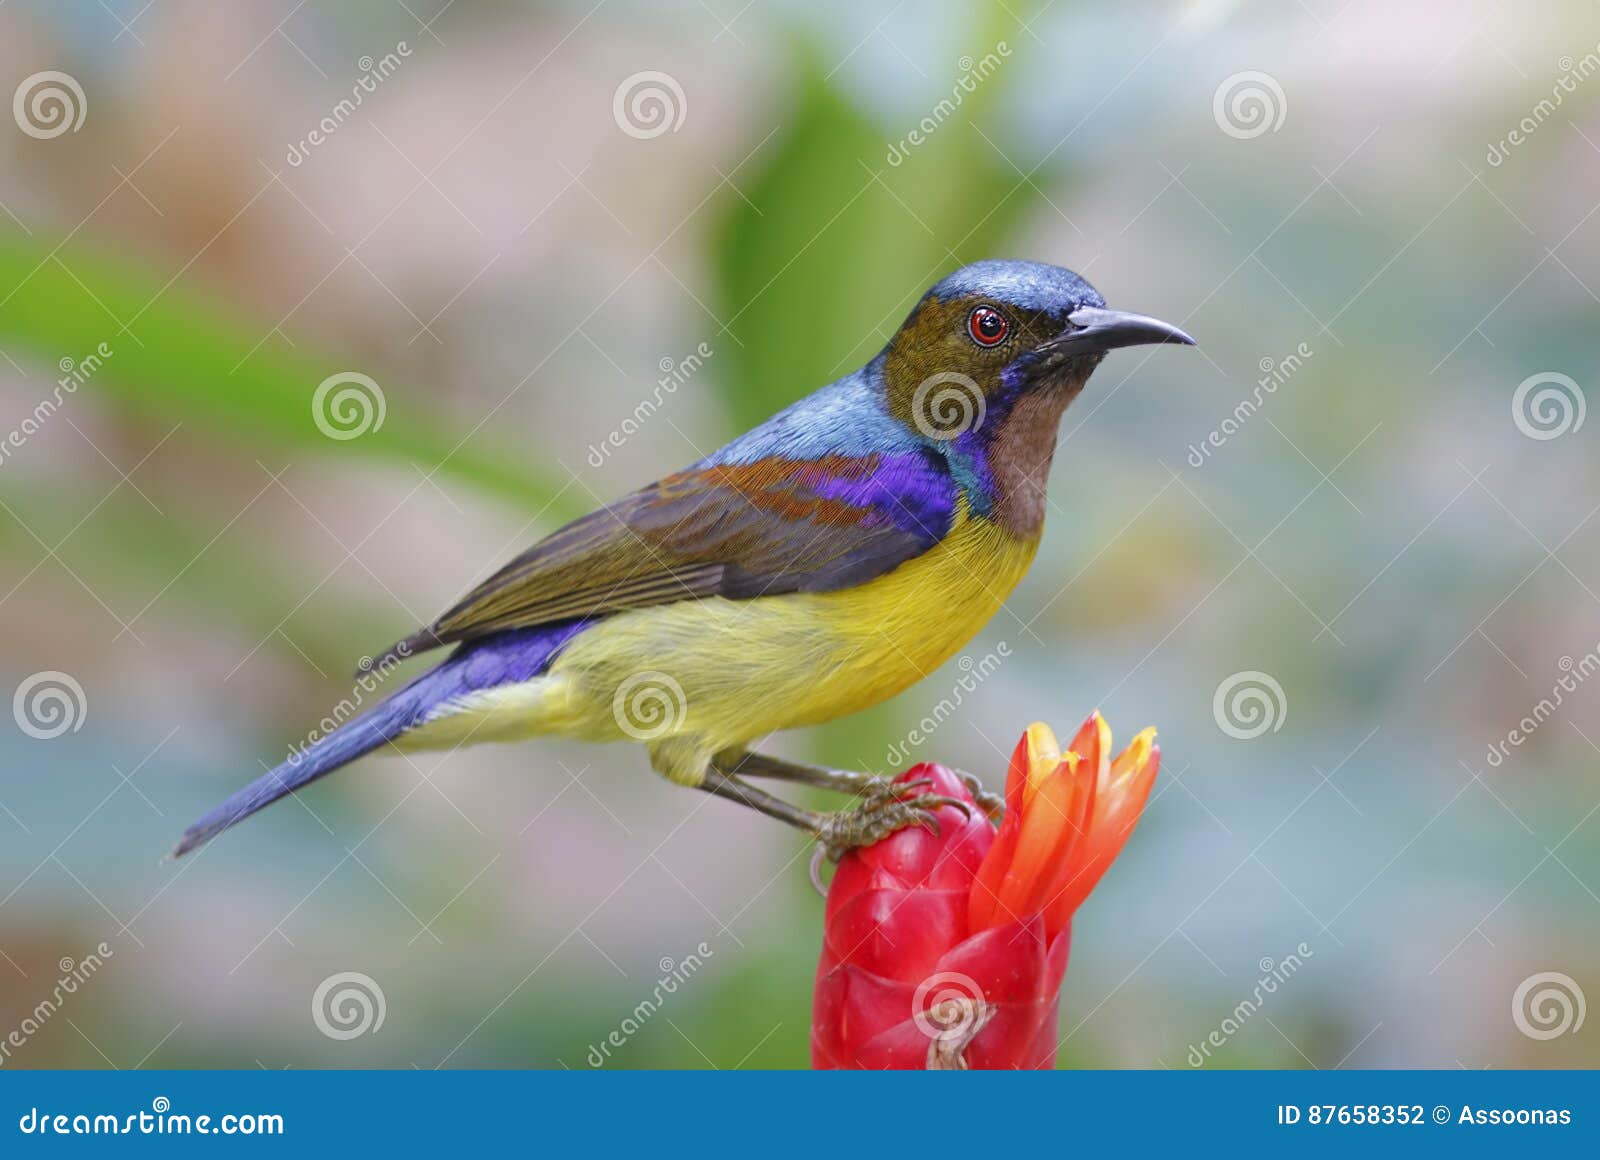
(992,804)
(885,809)
(884,789)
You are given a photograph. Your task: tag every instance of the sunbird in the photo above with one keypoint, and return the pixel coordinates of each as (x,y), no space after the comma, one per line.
(818,564)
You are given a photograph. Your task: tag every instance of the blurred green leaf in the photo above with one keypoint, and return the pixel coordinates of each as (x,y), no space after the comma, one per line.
(181,357)
(830,245)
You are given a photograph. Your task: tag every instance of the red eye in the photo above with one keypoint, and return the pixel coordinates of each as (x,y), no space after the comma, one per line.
(987,326)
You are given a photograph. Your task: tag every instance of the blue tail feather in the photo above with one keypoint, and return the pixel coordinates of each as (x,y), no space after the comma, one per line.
(505,658)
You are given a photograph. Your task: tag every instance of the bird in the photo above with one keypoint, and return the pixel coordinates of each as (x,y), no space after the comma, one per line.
(816,565)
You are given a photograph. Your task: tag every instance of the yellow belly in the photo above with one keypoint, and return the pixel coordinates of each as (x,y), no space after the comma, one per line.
(693,678)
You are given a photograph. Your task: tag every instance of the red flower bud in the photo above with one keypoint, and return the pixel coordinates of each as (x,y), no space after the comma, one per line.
(948,951)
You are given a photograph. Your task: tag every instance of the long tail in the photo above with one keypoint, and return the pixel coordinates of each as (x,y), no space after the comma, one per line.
(356,738)
(510,657)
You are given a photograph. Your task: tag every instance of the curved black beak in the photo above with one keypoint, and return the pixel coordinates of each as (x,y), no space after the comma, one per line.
(1093,329)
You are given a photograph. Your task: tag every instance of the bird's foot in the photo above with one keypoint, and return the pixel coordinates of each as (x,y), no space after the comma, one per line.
(886,807)
(992,804)
(744,763)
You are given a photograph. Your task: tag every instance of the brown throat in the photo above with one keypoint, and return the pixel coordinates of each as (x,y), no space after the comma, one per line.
(1020,452)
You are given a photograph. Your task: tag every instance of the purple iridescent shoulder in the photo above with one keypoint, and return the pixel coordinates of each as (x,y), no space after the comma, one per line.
(908,490)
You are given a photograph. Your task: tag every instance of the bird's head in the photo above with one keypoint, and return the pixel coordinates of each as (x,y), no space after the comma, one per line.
(996,332)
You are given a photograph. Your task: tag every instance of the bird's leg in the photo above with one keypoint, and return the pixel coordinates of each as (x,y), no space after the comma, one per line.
(748,763)
(752,764)
(886,807)
(724,785)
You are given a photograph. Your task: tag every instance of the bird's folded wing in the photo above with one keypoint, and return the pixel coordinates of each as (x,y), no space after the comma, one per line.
(734,530)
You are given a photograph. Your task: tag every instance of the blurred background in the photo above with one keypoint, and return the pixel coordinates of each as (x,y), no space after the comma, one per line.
(311,314)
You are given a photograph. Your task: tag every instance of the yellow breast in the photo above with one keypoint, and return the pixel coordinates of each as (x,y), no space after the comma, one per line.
(699,676)
(748,667)
(897,629)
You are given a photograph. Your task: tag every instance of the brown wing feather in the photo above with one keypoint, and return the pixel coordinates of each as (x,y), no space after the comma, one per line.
(736,531)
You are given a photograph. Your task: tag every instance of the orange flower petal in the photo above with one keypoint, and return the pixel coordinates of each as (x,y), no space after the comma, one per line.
(1135,756)
(1035,757)
(1068,816)
(1093,743)
(1085,808)
(1051,824)
(1117,812)
(984,900)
